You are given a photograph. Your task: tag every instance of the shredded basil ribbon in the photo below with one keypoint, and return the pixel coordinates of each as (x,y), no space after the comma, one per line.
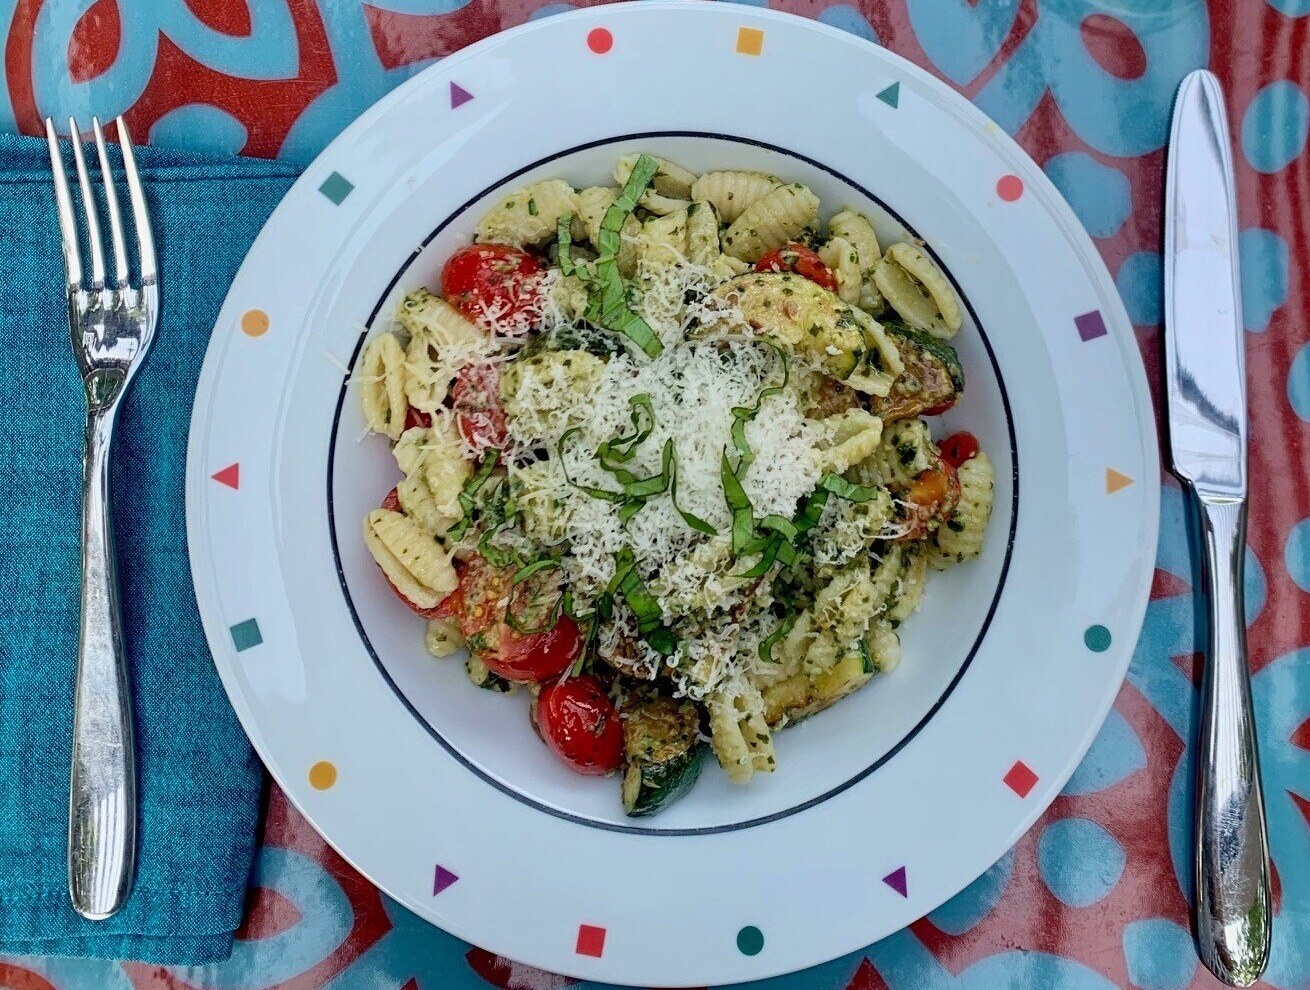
(650,623)
(601,493)
(770,641)
(523,573)
(607,303)
(622,449)
(471,487)
(842,488)
(564,234)
(741,415)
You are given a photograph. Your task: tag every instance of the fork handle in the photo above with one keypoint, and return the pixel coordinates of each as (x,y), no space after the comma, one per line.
(102,801)
(1232,856)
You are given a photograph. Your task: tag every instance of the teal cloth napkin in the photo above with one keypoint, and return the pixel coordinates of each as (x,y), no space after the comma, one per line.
(198,781)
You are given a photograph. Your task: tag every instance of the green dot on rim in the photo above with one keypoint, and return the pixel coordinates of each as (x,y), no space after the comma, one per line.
(1097,638)
(750,940)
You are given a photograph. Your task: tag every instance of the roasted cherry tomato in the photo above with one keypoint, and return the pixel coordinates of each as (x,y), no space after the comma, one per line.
(939,409)
(479,607)
(492,282)
(579,723)
(933,494)
(415,417)
(958,448)
(793,257)
(479,415)
(392,502)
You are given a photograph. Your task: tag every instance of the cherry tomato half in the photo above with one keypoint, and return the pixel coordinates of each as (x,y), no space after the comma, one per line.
(416,417)
(494,279)
(939,409)
(480,611)
(933,494)
(479,415)
(958,448)
(794,257)
(579,723)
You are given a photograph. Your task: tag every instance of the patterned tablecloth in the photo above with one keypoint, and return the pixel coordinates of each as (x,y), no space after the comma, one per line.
(1095,896)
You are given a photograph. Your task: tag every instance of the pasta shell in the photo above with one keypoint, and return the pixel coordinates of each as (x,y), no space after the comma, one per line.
(731,192)
(529,215)
(410,557)
(854,228)
(770,222)
(916,288)
(443,638)
(961,537)
(671,179)
(382,386)
(739,735)
(841,257)
(702,234)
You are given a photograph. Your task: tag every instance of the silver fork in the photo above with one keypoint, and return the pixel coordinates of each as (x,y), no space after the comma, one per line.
(112,326)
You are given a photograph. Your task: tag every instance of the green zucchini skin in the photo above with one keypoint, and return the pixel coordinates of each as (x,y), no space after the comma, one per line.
(931,364)
(661,753)
(939,349)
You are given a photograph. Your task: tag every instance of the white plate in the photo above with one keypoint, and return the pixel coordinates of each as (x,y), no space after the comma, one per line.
(883,807)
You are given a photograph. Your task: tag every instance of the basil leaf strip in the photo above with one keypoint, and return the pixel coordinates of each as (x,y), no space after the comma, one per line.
(770,641)
(607,303)
(471,487)
(564,235)
(601,493)
(842,488)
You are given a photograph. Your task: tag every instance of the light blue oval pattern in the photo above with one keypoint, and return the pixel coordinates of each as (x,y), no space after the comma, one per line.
(1080,862)
(1099,194)
(1264,259)
(1275,125)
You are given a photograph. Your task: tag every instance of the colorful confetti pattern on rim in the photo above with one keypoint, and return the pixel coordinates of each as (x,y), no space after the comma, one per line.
(1140,745)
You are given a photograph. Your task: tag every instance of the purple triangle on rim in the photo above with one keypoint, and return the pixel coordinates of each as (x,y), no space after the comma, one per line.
(897,882)
(458,95)
(441,879)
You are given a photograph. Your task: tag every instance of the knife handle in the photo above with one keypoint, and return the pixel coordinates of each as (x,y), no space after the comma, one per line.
(1232,901)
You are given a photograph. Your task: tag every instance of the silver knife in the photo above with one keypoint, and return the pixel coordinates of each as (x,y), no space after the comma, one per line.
(1205,371)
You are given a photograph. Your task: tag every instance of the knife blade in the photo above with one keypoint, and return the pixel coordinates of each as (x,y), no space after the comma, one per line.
(1205,371)
(1205,365)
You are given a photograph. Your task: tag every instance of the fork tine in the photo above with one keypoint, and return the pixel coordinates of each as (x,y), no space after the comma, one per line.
(89,207)
(64,205)
(145,239)
(111,207)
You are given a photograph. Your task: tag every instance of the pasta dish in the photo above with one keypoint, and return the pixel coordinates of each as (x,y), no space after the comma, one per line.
(666,462)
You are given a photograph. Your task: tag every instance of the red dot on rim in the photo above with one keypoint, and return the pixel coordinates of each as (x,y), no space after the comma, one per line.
(1009,187)
(599,40)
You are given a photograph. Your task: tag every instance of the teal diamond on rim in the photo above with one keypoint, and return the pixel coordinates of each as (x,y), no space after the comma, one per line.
(246,635)
(336,187)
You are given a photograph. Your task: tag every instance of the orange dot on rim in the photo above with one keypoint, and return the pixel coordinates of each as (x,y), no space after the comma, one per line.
(322,775)
(1009,187)
(599,40)
(254,323)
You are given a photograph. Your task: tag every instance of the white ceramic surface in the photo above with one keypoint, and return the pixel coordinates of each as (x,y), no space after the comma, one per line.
(1014,658)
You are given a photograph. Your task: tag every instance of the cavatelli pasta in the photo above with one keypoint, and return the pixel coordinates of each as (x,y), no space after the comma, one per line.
(702,234)
(839,255)
(915,287)
(410,557)
(671,179)
(884,646)
(443,637)
(731,192)
(382,386)
(909,593)
(854,228)
(854,435)
(529,215)
(905,451)
(442,340)
(961,536)
(739,735)
(770,222)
